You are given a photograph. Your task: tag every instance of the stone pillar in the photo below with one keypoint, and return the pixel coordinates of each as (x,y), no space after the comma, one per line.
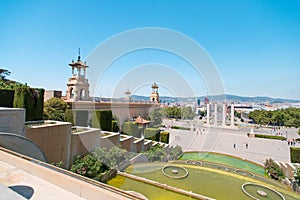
(215,114)
(232,114)
(207,113)
(224,114)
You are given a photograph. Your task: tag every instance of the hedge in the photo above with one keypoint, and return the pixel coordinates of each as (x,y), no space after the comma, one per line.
(102,119)
(131,128)
(69,116)
(114,126)
(164,137)
(276,137)
(7,98)
(80,117)
(180,128)
(32,100)
(295,154)
(152,133)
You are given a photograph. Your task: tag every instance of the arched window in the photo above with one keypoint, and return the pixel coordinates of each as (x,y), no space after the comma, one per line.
(71,93)
(82,94)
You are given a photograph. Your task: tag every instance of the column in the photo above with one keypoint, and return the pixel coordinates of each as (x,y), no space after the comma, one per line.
(232,114)
(215,114)
(207,113)
(224,114)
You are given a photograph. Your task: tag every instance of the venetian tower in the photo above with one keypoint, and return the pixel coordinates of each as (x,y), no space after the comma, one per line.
(78,86)
(154,95)
(127,95)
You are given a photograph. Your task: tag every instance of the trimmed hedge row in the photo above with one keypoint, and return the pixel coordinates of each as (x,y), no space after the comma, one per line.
(276,137)
(7,98)
(80,117)
(32,100)
(295,154)
(180,128)
(102,119)
(131,128)
(152,134)
(164,137)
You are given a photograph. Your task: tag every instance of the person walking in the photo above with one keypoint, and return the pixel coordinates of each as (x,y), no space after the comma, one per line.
(234,145)
(247,145)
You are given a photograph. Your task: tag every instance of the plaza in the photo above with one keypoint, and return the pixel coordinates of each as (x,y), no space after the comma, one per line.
(222,140)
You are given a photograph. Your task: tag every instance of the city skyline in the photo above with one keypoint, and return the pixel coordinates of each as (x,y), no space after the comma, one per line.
(254,44)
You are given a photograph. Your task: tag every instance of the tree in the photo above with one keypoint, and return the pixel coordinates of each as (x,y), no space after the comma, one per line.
(54,109)
(173,112)
(156,153)
(4,73)
(110,157)
(187,113)
(156,115)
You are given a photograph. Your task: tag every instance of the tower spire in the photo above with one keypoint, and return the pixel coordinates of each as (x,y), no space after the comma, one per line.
(79,54)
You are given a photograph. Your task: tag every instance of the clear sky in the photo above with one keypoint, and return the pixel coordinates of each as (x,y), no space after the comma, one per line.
(255,45)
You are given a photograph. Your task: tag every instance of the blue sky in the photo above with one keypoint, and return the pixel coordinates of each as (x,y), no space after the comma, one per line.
(255,45)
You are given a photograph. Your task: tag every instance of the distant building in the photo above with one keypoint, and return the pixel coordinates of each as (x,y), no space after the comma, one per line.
(206,100)
(52,93)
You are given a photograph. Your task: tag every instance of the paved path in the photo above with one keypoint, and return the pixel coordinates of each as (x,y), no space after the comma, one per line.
(222,141)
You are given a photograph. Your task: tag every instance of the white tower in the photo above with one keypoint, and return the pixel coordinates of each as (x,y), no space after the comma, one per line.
(78,86)
(154,95)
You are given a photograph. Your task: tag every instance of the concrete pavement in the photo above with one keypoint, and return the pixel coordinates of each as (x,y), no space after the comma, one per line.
(222,140)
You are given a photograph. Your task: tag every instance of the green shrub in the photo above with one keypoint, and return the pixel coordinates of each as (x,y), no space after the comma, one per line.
(102,119)
(295,154)
(156,153)
(273,170)
(180,128)
(131,128)
(114,126)
(152,134)
(110,157)
(89,166)
(276,137)
(7,98)
(69,116)
(164,137)
(176,152)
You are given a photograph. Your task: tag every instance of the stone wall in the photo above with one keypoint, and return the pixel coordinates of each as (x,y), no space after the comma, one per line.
(54,138)
(126,142)
(12,120)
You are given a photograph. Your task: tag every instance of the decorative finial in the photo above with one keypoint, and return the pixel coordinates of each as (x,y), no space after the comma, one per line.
(79,54)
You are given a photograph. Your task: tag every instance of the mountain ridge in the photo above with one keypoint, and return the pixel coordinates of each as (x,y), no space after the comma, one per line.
(227,97)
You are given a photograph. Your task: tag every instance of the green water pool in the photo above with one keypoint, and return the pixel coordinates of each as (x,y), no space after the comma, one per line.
(209,182)
(224,160)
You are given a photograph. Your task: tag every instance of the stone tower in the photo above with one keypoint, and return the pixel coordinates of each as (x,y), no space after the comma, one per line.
(127,95)
(78,86)
(154,95)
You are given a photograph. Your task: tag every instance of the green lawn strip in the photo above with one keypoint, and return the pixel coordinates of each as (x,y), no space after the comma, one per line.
(224,160)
